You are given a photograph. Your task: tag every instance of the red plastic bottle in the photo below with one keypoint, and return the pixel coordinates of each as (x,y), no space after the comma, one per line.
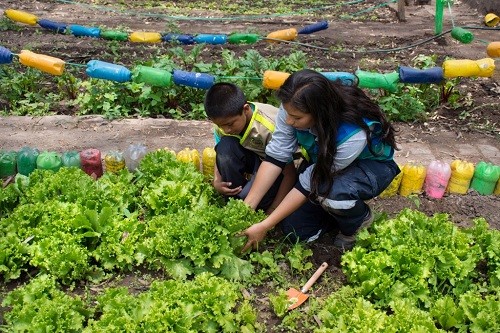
(91,162)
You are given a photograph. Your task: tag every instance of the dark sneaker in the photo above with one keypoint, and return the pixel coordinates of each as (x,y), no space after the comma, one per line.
(345,243)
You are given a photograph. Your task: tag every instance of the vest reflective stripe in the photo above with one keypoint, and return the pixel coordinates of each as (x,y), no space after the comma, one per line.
(259,130)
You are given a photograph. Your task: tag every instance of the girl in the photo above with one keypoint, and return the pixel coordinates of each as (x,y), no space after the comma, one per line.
(349,147)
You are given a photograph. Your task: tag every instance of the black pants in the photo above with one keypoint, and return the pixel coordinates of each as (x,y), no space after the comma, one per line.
(345,206)
(239,165)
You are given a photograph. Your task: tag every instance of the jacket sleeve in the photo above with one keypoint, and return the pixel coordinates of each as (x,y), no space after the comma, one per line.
(283,144)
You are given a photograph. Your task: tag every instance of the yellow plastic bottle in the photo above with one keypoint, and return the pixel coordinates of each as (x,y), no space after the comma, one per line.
(286,34)
(20,16)
(497,188)
(114,161)
(467,68)
(274,79)
(461,176)
(393,187)
(145,37)
(191,156)
(412,180)
(208,162)
(45,63)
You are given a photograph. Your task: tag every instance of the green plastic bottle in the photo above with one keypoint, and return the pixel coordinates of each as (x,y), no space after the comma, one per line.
(26,160)
(114,35)
(462,35)
(238,38)
(485,178)
(49,160)
(71,159)
(7,163)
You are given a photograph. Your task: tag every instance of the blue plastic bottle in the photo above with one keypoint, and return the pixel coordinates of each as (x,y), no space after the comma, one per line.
(192,79)
(51,25)
(107,71)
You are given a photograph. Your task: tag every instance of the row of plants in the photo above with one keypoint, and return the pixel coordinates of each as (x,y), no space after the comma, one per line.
(69,237)
(27,91)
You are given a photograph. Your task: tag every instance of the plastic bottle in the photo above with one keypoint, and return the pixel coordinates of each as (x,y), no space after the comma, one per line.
(493,50)
(71,159)
(114,35)
(468,68)
(497,188)
(485,178)
(286,34)
(108,71)
(26,160)
(20,16)
(191,156)
(49,160)
(208,162)
(387,81)
(347,79)
(491,19)
(462,35)
(54,26)
(210,39)
(436,179)
(153,76)
(393,187)
(42,62)
(7,163)
(5,55)
(114,161)
(309,29)
(461,176)
(428,75)
(82,31)
(193,79)
(91,162)
(133,155)
(274,79)
(238,38)
(413,179)
(178,38)
(145,37)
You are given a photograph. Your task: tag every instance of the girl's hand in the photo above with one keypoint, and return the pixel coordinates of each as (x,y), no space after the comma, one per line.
(256,233)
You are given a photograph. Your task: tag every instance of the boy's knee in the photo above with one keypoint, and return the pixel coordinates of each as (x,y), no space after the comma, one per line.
(227,145)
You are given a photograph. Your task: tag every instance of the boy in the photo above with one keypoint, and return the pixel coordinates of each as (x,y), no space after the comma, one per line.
(242,132)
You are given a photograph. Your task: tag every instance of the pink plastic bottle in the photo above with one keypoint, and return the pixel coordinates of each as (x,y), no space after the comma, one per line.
(436,179)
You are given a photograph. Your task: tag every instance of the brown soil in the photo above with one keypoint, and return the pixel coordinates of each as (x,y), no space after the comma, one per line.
(377,30)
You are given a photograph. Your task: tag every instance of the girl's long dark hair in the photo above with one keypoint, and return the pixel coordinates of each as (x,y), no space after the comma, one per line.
(330,103)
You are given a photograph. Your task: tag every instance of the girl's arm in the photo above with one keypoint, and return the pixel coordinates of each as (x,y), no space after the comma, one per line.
(280,148)
(266,176)
(289,180)
(257,232)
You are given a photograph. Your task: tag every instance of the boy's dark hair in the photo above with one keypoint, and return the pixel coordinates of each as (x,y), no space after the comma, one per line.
(224,100)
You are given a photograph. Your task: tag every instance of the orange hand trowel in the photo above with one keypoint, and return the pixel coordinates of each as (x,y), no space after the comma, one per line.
(296,297)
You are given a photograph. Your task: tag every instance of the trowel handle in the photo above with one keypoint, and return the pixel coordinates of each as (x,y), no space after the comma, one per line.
(313,278)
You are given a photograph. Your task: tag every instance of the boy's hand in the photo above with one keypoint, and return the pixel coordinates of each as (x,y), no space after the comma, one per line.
(225,189)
